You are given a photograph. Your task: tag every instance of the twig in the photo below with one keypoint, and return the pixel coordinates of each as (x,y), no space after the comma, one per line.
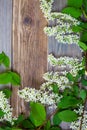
(84,13)
(83,114)
(86,97)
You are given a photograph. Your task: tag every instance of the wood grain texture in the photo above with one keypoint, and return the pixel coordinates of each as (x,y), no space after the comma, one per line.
(5,29)
(29,48)
(5,26)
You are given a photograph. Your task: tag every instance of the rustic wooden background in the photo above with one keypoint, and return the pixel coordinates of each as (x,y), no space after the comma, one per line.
(23,40)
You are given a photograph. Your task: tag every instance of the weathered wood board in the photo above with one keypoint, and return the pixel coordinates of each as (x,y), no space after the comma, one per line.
(5,26)
(5,29)
(29,47)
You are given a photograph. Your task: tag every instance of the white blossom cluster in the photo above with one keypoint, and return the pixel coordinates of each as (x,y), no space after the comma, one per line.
(73,64)
(46,7)
(61,17)
(63,33)
(76,124)
(44,96)
(6,108)
(53,77)
(63,30)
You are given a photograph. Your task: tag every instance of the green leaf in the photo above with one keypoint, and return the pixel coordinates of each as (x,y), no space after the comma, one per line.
(56,119)
(70,77)
(82,45)
(84,36)
(67,116)
(16,129)
(75,90)
(85,5)
(83,25)
(6,128)
(47,126)
(75,3)
(4,59)
(77,29)
(7,92)
(55,88)
(10,77)
(67,92)
(1,113)
(19,120)
(68,101)
(5,77)
(84,82)
(27,124)
(83,94)
(16,79)
(2,129)
(76,13)
(77,78)
(37,114)
(55,128)
(81,72)
(84,61)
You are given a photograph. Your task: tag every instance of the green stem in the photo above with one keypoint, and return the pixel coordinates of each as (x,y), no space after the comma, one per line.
(85,15)
(86,61)
(83,114)
(86,98)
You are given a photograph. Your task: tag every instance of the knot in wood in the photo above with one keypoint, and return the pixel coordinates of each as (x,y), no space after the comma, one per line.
(27,21)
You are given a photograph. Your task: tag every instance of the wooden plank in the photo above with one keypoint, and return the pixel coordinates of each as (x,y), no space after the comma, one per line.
(29,47)
(5,26)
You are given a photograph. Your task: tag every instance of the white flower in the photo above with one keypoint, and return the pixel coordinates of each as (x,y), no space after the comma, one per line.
(76,124)
(63,33)
(65,18)
(29,94)
(5,107)
(46,8)
(53,77)
(73,64)
(63,30)
(43,95)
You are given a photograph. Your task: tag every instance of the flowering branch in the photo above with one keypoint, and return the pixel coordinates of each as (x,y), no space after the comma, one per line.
(82,116)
